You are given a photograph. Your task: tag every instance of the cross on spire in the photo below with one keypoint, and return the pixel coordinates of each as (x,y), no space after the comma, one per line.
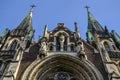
(32,6)
(87,7)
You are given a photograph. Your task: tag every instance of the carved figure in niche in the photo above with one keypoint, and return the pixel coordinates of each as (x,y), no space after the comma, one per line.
(62,38)
(43,48)
(79,49)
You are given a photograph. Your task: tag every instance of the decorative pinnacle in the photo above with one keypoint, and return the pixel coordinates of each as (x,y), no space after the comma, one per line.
(76,28)
(87,7)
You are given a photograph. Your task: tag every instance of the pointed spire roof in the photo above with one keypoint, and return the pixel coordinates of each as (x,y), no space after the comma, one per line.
(27,22)
(93,24)
(91,17)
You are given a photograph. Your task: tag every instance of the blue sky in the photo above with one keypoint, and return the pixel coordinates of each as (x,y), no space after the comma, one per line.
(51,12)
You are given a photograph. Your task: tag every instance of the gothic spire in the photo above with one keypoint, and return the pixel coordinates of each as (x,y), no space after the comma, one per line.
(26,24)
(93,24)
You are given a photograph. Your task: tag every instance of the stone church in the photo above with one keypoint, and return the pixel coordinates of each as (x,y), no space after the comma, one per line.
(60,54)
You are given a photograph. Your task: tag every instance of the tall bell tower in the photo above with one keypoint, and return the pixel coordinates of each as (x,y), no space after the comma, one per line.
(12,46)
(104,42)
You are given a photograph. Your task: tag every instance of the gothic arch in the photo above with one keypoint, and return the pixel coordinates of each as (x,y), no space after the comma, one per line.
(107,46)
(61,36)
(61,32)
(13,45)
(51,46)
(110,45)
(72,47)
(11,41)
(71,68)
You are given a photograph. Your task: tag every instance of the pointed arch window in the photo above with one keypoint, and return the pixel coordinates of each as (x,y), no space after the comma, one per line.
(51,47)
(72,47)
(65,44)
(107,47)
(57,44)
(13,45)
(113,47)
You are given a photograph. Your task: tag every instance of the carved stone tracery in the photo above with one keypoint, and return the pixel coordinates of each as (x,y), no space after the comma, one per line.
(62,76)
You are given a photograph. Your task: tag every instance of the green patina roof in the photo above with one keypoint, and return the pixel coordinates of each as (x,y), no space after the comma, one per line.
(30,35)
(116,36)
(90,37)
(27,22)
(91,17)
(4,34)
(93,23)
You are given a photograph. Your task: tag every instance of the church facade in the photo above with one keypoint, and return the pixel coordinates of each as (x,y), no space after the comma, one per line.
(60,54)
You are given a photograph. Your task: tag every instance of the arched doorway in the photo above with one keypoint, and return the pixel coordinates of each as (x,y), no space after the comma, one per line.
(61,67)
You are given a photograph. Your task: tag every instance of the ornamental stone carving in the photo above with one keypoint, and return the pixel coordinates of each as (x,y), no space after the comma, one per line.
(62,76)
(79,49)
(43,48)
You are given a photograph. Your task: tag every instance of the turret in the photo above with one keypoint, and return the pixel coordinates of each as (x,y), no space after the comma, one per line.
(3,37)
(26,31)
(93,24)
(116,38)
(4,34)
(90,37)
(101,39)
(95,30)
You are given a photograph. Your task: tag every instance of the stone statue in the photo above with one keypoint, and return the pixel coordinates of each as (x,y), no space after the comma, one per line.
(61,39)
(43,48)
(79,49)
